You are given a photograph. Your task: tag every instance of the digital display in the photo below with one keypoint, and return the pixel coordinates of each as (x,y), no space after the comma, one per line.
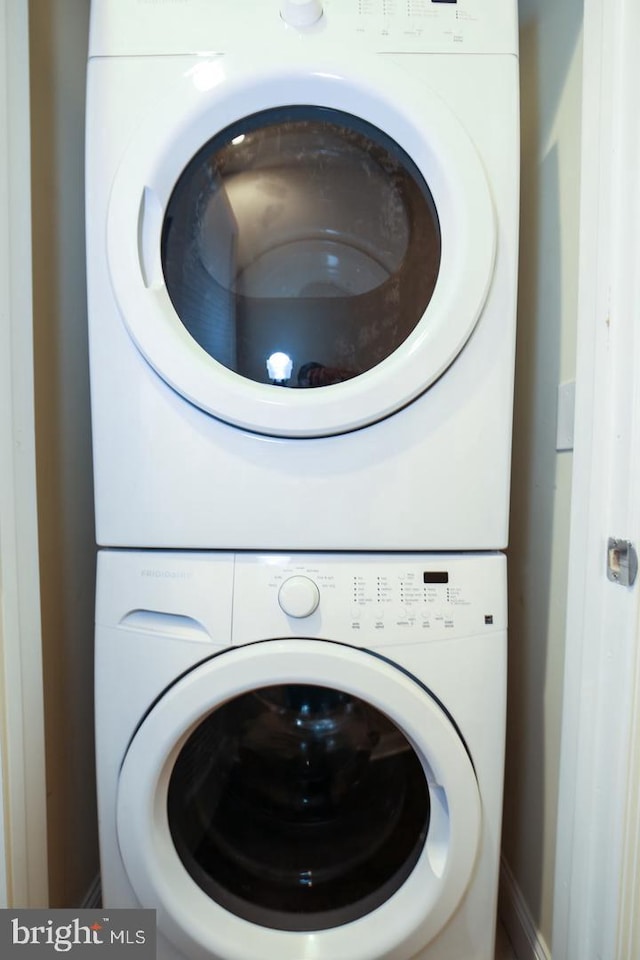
(435,576)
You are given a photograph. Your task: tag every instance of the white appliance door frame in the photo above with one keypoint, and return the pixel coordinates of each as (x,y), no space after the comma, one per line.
(197,925)
(222,90)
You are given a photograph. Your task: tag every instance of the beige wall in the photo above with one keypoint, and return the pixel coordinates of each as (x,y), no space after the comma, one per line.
(550,57)
(58,39)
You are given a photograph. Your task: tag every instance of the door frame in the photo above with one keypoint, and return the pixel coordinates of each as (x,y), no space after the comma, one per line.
(598,839)
(23,835)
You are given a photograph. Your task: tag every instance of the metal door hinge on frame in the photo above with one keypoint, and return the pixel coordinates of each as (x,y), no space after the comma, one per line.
(622,562)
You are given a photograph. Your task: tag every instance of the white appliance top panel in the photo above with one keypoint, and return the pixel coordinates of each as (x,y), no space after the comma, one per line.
(148,27)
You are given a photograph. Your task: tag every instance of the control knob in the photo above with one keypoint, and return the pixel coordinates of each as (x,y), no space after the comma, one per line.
(301,13)
(299,597)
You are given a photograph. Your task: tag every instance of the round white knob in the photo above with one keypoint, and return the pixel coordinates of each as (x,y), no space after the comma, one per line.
(298,597)
(301,13)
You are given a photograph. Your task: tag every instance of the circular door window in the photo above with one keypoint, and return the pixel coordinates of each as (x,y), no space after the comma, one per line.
(301,247)
(292,796)
(298,807)
(341,247)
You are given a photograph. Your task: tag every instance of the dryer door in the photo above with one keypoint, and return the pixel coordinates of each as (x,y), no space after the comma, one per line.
(301,265)
(298,798)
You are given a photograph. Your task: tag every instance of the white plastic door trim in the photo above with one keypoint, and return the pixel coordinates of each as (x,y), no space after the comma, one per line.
(23,854)
(598,801)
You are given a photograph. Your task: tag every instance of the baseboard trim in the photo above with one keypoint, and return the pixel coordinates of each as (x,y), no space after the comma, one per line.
(527,941)
(93,896)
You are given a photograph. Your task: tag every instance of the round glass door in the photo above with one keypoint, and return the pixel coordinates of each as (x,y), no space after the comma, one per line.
(291,797)
(341,246)
(298,807)
(300,247)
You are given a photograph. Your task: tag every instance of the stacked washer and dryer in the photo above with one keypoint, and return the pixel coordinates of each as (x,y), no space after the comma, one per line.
(302,251)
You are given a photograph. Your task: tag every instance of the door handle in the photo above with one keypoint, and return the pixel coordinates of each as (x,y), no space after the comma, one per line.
(149,230)
(165,624)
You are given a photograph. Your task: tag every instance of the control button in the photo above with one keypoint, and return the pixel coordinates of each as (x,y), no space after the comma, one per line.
(301,13)
(298,597)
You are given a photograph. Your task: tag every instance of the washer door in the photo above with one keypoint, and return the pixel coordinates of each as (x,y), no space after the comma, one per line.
(298,798)
(287,227)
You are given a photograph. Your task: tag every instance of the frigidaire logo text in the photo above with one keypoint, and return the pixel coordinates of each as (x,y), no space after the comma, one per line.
(64,937)
(160,574)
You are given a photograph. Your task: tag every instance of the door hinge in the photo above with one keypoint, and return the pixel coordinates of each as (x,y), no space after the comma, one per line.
(622,562)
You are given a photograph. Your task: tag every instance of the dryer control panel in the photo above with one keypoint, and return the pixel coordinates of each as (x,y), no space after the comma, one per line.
(368,599)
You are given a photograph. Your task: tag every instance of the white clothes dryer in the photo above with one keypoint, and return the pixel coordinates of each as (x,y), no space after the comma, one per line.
(302,253)
(301,756)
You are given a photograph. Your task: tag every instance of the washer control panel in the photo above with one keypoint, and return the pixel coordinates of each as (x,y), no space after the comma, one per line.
(356,599)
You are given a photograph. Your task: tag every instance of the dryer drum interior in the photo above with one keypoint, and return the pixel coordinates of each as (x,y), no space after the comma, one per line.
(301,246)
(298,807)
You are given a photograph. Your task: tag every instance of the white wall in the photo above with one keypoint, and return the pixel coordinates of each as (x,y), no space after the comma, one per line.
(58,38)
(550,59)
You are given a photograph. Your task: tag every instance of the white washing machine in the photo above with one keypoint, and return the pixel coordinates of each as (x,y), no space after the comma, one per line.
(302,252)
(300,756)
